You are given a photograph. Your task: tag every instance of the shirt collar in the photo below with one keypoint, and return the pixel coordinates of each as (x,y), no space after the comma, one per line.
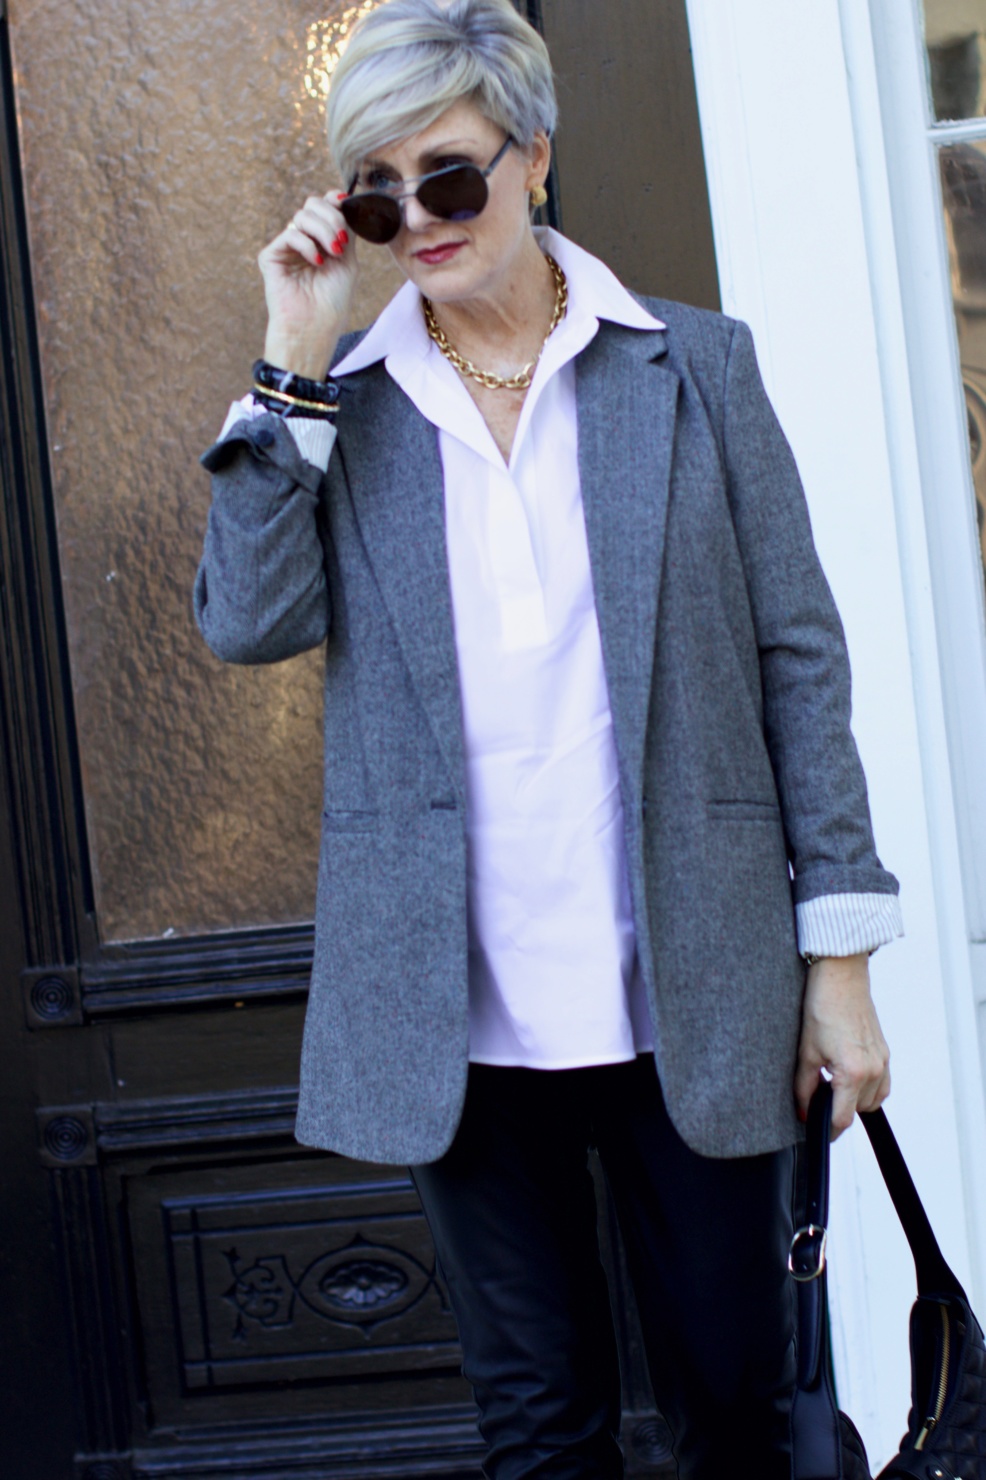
(400,337)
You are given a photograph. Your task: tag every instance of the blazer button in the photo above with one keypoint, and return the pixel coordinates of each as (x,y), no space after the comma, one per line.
(263,437)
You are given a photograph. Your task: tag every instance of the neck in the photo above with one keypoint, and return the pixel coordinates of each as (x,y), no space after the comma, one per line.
(505,323)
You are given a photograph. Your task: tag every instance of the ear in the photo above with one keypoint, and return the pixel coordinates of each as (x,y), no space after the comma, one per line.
(540,161)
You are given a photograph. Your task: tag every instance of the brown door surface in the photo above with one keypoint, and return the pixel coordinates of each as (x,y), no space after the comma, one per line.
(185,1291)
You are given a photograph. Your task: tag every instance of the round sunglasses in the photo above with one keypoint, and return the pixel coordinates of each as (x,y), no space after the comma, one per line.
(458,192)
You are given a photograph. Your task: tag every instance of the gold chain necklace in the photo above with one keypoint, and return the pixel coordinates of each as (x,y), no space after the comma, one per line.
(522,379)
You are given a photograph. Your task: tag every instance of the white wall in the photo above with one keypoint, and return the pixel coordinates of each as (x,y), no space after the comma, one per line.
(801,211)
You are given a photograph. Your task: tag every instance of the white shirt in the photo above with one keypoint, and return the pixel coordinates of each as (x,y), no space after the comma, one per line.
(553,981)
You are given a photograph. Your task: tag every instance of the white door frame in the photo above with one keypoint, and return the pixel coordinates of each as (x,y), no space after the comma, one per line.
(807,245)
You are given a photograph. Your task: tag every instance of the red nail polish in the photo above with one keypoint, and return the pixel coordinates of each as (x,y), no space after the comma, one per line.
(343,237)
(336,249)
(319,258)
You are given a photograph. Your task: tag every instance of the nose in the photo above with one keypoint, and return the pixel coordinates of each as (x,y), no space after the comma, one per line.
(416,218)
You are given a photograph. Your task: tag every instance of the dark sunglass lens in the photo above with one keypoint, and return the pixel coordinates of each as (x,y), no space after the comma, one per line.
(376,218)
(455,195)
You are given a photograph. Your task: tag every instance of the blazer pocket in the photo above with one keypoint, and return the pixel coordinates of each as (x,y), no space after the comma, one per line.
(741,810)
(350,821)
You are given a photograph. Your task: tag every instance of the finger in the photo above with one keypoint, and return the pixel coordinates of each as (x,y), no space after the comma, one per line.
(872,1096)
(339,243)
(860,1085)
(330,243)
(323,221)
(287,247)
(874,1082)
(304,244)
(844,1099)
(318,230)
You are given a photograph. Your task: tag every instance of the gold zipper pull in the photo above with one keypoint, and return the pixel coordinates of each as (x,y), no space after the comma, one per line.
(929,1424)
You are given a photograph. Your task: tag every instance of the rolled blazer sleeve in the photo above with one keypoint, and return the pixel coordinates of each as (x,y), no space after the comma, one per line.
(260,593)
(804,663)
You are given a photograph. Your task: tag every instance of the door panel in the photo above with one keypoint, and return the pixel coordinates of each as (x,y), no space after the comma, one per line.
(204,1296)
(311,1271)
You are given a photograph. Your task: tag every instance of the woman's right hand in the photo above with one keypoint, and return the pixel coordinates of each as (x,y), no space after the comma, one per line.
(309,272)
(841,1032)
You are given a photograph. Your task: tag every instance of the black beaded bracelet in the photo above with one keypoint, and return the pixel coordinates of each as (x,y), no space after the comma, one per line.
(288,394)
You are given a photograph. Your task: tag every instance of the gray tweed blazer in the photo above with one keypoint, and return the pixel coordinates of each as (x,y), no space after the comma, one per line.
(729,687)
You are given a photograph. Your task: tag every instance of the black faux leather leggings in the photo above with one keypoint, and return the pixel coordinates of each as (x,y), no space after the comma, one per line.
(512,1211)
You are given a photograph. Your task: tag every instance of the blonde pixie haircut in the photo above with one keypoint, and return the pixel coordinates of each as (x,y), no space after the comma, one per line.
(410,60)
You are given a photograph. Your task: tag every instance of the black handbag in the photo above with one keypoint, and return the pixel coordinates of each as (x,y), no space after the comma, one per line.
(946,1427)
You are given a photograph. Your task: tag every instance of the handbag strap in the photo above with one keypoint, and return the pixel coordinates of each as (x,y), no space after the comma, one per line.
(806,1260)
(815,1429)
(934,1275)
(815,1415)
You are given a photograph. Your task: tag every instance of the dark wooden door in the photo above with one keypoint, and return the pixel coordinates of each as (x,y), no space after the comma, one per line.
(185,1292)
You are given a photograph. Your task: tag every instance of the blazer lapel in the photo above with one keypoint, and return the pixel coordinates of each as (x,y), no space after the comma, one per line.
(627,403)
(394,473)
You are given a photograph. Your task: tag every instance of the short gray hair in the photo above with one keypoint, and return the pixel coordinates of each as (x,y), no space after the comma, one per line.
(409,60)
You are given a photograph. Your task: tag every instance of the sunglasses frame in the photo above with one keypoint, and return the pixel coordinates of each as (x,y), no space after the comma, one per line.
(398,195)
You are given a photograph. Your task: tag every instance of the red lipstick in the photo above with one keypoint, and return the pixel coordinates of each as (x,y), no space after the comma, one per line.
(435,255)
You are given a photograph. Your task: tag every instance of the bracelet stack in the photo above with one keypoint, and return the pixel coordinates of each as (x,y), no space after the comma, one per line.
(287,394)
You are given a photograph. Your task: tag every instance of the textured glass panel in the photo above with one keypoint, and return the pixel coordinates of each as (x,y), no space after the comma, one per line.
(164,142)
(955,33)
(963,171)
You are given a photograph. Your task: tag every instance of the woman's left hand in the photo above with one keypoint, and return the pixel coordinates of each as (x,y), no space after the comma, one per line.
(841,1032)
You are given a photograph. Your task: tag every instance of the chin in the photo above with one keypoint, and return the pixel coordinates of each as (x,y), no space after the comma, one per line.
(461,277)
(443,282)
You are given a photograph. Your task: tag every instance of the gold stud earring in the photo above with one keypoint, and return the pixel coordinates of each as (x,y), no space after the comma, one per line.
(538,196)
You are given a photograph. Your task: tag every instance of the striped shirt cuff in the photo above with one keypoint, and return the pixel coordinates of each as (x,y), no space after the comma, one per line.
(314,437)
(845,924)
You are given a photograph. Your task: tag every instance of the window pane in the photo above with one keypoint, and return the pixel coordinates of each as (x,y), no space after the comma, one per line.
(163,145)
(955,32)
(963,171)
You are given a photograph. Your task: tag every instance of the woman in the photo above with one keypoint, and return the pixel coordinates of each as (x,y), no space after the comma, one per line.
(591,797)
